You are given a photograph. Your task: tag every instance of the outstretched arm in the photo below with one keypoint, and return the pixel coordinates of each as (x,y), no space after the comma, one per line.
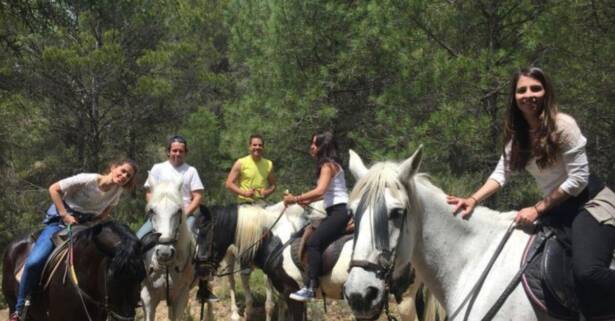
(55,191)
(466,206)
(327,172)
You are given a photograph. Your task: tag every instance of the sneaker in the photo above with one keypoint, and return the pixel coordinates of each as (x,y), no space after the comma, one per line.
(303,295)
(15,317)
(206,295)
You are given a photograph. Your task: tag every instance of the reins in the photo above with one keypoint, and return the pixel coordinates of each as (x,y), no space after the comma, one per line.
(260,239)
(473,294)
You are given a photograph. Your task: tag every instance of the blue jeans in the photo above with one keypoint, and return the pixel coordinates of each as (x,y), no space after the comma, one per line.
(35,263)
(147,226)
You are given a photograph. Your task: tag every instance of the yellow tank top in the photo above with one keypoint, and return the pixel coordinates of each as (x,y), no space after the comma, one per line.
(253,175)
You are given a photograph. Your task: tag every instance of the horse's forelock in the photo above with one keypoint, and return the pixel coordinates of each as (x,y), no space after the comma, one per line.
(165,190)
(370,191)
(128,260)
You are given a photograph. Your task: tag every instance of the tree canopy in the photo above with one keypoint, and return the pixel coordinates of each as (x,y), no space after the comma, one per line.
(83,82)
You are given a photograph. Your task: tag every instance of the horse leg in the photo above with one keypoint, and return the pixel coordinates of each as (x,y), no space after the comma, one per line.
(282,310)
(149,305)
(434,311)
(177,310)
(245,283)
(269,304)
(210,312)
(407,306)
(296,310)
(230,262)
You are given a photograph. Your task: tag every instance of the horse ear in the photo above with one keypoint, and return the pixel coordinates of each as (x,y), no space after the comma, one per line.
(149,241)
(356,166)
(411,165)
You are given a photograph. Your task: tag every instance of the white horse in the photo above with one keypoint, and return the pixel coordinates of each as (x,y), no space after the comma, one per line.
(402,213)
(244,227)
(170,272)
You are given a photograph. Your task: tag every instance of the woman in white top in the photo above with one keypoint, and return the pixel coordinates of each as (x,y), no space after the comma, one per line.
(332,188)
(550,146)
(77,199)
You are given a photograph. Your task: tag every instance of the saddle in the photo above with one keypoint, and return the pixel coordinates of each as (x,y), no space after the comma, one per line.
(548,280)
(59,252)
(330,254)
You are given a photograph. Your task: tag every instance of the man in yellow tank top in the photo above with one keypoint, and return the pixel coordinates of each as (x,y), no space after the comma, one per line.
(251,177)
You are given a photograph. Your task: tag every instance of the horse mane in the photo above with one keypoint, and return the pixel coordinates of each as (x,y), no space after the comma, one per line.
(164,190)
(126,260)
(252,222)
(370,192)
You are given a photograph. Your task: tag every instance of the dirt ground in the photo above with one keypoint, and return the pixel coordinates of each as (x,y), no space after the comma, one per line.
(336,310)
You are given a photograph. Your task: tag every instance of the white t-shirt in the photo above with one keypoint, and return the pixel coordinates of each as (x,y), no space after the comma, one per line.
(166,171)
(570,172)
(82,194)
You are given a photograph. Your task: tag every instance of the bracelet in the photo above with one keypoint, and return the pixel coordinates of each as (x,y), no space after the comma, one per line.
(297,199)
(474,198)
(536,209)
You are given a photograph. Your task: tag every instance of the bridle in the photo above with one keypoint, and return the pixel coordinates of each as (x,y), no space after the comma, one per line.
(210,264)
(385,265)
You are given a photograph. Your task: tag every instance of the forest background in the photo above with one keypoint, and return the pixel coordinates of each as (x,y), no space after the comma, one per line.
(83,82)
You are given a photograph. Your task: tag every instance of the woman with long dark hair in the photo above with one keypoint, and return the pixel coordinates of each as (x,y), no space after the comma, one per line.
(77,199)
(331,187)
(550,146)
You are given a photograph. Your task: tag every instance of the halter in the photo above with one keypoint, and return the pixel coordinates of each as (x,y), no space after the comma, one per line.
(84,295)
(384,268)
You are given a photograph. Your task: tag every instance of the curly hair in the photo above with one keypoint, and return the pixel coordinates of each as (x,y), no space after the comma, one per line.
(545,143)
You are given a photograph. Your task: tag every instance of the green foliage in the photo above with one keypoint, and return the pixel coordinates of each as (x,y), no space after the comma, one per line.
(82,82)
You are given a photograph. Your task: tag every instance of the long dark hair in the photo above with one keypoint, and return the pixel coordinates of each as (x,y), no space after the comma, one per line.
(132,182)
(327,150)
(545,145)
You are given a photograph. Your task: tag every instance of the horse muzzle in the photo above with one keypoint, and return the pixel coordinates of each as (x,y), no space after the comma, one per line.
(365,294)
(164,253)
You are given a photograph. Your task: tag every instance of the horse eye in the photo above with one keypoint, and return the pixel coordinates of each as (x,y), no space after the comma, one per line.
(396,213)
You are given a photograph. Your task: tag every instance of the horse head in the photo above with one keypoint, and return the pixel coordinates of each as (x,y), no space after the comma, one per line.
(125,271)
(165,210)
(381,202)
(215,232)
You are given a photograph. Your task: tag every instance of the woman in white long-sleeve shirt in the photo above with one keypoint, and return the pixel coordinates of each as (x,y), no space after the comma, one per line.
(550,146)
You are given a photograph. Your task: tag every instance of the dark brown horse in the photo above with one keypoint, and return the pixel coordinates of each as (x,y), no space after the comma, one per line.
(108,261)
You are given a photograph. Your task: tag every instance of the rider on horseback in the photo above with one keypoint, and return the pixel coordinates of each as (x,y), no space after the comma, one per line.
(332,187)
(550,146)
(76,199)
(251,177)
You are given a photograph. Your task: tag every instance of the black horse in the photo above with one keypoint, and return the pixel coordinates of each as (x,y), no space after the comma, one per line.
(108,261)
